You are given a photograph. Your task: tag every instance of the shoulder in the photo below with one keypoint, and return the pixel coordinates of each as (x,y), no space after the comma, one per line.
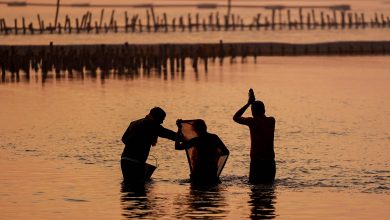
(271,119)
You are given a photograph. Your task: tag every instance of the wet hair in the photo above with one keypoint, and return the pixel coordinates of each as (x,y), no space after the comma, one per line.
(258,108)
(157,113)
(200,126)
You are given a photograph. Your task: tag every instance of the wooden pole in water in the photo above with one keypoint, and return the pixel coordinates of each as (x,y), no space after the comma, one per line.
(289,18)
(350,22)
(165,22)
(24,25)
(101,19)
(57,12)
(363,21)
(126,21)
(334,18)
(154,19)
(111,24)
(300,18)
(273,19)
(16,26)
(314,18)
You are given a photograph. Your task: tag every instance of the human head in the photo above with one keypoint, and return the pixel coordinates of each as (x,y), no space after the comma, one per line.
(258,108)
(157,114)
(200,126)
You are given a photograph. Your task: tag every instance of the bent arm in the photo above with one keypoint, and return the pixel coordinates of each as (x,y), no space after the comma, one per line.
(238,116)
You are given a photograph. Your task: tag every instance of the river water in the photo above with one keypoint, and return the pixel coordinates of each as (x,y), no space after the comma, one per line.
(60,142)
(60,137)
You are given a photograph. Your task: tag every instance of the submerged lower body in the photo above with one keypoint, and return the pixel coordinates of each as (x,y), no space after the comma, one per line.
(204,179)
(135,172)
(262,171)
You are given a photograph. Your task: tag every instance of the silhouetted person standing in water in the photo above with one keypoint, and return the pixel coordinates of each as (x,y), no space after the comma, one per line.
(206,150)
(138,138)
(262,128)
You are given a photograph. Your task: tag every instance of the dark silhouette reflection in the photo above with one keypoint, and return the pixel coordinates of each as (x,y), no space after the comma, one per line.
(98,75)
(262,201)
(204,203)
(135,202)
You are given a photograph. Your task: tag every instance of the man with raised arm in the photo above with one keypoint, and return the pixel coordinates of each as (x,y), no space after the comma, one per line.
(262,129)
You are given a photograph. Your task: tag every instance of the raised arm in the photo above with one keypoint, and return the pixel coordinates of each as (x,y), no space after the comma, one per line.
(238,116)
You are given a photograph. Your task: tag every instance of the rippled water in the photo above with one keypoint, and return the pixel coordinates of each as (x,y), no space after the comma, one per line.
(60,142)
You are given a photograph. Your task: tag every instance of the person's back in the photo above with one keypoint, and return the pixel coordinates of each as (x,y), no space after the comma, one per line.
(138,138)
(207,149)
(262,129)
(262,137)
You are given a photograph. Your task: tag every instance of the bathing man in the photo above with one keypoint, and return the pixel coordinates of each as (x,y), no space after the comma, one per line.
(138,138)
(262,129)
(206,149)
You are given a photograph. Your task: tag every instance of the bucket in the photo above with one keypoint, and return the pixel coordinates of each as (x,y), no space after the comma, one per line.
(149,169)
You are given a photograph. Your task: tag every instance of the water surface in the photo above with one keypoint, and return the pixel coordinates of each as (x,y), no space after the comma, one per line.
(60,142)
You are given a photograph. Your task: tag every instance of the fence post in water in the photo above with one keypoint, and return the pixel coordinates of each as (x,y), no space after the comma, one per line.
(126,21)
(350,22)
(16,26)
(101,18)
(197,21)
(174,24)
(217,21)
(24,25)
(383,20)
(112,19)
(376,20)
(154,19)
(221,52)
(335,19)
(77,26)
(140,25)
(165,22)
(314,18)
(308,21)
(273,19)
(289,18)
(189,22)
(234,22)
(211,21)
(258,21)
(181,23)
(300,18)
(342,19)
(96,27)
(388,21)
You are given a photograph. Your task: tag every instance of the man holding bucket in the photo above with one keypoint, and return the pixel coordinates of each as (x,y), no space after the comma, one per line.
(138,138)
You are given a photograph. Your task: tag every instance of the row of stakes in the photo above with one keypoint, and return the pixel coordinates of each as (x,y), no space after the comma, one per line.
(154,23)
(131,59)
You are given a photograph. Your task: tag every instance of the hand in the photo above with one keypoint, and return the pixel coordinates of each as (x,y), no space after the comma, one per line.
(251,96)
